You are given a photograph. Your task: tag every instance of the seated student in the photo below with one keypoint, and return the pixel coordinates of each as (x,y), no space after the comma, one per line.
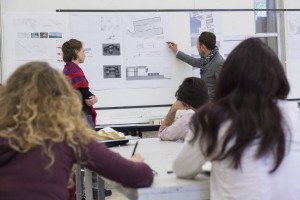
(248,132)
(43,133)
(191,94)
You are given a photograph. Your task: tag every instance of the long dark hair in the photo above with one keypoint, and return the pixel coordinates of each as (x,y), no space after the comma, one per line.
(251,81)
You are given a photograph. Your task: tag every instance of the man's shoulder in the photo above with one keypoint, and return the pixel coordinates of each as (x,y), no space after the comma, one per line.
(217,61)
(219,58)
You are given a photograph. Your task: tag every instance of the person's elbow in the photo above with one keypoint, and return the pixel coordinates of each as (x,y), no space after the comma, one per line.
(145,179)
(148,181)
(164,135)
(183,171)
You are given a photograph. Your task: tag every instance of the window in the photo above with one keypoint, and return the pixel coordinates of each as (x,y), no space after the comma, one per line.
(265,20)
(266,23)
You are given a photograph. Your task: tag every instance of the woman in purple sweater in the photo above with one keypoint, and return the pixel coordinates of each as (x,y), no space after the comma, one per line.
(43,134)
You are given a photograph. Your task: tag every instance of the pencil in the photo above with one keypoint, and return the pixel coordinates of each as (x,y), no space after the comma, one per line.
(134,148)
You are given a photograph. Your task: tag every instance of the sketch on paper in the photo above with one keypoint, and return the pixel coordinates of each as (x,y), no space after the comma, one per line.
(128,43)
(142,73)
(111,49)
(146,28)
(34,24)
(293,35)
(31,49)
(110,27)
(145,50)
(27,38)
(111,71)
(23,35)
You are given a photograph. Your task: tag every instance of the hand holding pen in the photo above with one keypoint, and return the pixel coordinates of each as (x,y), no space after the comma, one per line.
(172,46)
(136,157)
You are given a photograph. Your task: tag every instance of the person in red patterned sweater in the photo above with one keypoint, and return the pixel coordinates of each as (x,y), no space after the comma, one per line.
(73,54)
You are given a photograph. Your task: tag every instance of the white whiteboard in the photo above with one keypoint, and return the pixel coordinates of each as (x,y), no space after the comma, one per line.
(21,47)
(235,26)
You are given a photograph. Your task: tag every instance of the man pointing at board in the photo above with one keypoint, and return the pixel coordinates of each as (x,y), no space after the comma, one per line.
(210,61)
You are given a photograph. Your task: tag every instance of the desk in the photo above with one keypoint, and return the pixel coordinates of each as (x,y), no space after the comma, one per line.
(159,155)
(132,129)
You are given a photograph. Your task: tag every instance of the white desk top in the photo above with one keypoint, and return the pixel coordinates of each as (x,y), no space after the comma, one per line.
(159,155)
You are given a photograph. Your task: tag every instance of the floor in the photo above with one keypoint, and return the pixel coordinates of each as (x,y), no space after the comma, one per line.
(116,195)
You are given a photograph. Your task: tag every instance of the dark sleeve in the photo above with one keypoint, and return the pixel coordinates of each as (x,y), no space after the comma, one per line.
(113,166)
(85,93)
(188,59)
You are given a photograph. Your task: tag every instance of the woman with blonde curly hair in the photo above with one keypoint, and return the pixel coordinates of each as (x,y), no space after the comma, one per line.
(42,134)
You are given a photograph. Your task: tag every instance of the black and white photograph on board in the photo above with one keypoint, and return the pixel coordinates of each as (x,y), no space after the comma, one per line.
(112,71)
(111,49)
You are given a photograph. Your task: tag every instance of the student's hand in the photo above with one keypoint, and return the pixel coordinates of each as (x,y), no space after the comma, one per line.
(137,158)
(173,46)
(91,100)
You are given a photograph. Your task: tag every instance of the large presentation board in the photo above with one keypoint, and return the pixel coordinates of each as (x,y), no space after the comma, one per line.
(127,61)
(232,21)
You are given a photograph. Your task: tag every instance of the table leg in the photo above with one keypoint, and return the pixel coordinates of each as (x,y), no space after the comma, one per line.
(101,194)
(78,183)
(88,185)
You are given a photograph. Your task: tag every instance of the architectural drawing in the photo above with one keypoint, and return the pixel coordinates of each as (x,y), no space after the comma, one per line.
(293,35)
(142,73)
(123,44)
(146,28)
(26,49)
(110,27)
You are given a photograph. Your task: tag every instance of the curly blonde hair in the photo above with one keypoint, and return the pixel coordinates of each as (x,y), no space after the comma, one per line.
(39,107)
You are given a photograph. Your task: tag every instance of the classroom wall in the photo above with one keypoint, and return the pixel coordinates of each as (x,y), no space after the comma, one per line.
(133,97)
(293,44)
(43,5)
(292,4)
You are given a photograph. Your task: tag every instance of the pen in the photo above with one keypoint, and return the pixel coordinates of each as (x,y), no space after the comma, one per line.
(134,148)
(170,43)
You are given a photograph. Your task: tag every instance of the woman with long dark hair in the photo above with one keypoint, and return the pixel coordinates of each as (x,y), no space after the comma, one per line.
(248,132)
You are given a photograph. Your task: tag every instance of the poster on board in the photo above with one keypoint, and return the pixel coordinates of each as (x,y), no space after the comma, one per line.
(31,37)
(204,21)
(124,50)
